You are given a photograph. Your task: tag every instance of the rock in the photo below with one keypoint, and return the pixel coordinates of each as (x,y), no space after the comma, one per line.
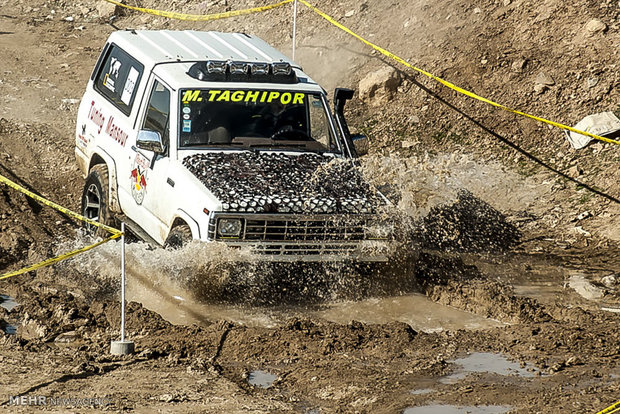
(349,13)
(518,65)
(584,215)
(379,87)
(167,398)
(477,10)
(540,89)
(507,2)
(610,281)
(105,9)
(591,82)
(594,26)
(31,329)
(581,231)
(66,337)
(544,79)
(583,287)
(575,171)
(408,144)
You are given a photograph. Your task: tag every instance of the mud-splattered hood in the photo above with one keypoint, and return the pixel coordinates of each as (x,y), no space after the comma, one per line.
(275,182)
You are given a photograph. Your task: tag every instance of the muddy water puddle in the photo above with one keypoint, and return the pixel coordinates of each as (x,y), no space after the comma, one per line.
(456,409)
(485,362)
(548,279)
(154,280)
(8,303)
(177,306)
(262,379)
(413,309)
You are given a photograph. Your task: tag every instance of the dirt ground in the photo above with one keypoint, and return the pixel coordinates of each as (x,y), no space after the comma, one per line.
(505,222)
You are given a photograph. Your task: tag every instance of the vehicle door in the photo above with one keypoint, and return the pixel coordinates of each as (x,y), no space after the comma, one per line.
(150,184)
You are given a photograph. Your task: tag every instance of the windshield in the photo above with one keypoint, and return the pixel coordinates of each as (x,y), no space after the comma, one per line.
(260,119)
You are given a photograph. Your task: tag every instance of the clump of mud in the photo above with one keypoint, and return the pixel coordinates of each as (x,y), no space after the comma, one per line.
(47,314)
(467,225)
(439,201)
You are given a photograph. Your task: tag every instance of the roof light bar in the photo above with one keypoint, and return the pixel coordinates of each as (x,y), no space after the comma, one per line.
(217,70)
(215,66)
(260,69)
(239,68)
(282,68)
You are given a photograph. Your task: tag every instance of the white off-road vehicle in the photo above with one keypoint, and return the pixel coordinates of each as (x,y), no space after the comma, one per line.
(219,137)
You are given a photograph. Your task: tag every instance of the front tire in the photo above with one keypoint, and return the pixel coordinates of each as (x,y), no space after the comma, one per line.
(95,200)
(179,236)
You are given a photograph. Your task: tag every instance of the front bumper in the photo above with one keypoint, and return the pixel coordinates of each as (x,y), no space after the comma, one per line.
(307,238)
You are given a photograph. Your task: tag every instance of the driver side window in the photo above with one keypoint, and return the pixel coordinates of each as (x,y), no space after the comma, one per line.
(158,112)
(318,122)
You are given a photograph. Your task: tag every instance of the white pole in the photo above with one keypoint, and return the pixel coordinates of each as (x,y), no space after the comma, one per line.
(122,347)
(123,282)
(294,26)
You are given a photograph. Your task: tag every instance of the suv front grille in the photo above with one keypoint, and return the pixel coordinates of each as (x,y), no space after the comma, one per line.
(269,228)
(303,230)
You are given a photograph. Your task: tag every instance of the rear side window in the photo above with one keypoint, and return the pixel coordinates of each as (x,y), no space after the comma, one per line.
(118,78)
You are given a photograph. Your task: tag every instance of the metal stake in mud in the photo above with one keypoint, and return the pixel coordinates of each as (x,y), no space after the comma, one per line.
(294,26)
(122,347)
(123,283)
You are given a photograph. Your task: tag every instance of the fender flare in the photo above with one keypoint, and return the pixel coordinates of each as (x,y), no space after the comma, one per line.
(193,224)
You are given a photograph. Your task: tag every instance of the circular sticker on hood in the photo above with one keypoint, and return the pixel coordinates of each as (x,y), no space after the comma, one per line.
(187,110)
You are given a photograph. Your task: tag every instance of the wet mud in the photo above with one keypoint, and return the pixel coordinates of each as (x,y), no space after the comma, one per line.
(483,307)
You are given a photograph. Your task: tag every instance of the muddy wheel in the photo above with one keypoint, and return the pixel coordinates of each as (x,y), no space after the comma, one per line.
(179,236)
(95,200)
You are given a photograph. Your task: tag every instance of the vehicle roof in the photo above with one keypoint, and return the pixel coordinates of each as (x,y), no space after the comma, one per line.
(154,47)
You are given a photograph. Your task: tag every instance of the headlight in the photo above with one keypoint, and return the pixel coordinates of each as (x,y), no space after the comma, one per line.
(229,228)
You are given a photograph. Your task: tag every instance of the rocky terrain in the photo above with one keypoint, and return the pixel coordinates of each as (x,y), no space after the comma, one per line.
(504,221)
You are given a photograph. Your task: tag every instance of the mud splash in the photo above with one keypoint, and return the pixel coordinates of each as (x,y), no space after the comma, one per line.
(420,183)
(208,281)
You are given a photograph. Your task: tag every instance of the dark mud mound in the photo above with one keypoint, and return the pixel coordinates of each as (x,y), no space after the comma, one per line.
(28,228)
(20,226)
(489,299)
(45,315)
(468,225)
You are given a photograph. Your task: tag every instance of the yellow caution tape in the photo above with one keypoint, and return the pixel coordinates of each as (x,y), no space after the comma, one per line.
(201,17)
(611,409)
(58,258)
(115,233)
(55,206)
(448,84)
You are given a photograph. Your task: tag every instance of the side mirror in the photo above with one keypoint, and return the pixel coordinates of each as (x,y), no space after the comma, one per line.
(360,142)
(150,141)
